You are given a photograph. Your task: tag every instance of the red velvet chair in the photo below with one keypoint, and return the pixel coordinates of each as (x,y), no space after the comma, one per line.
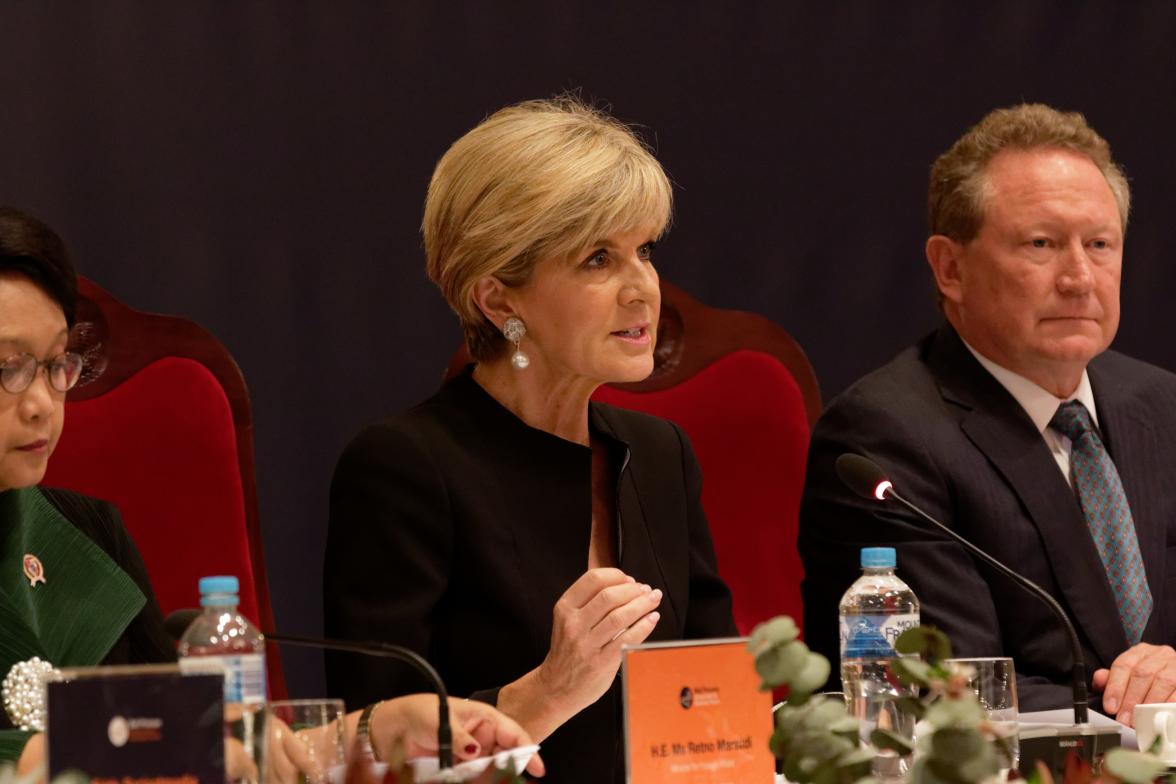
(746,395)
(161,427)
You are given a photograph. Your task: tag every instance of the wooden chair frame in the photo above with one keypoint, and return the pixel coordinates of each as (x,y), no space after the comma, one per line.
(111,362)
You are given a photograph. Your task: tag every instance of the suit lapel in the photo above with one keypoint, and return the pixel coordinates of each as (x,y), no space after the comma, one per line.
(997,425)
(637,555)
(1135,450)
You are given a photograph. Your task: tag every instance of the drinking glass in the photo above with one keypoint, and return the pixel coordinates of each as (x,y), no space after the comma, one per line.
(995,683)
(304,742)
(873,695)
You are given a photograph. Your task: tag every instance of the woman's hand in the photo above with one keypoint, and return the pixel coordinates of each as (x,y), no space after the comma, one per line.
(290,755)
(32,757)
(479,730)
(601,612)
(406,727)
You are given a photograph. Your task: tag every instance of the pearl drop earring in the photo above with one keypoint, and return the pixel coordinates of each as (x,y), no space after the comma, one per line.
(513,330)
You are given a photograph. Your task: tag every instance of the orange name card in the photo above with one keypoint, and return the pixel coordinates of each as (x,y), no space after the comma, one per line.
(694,714)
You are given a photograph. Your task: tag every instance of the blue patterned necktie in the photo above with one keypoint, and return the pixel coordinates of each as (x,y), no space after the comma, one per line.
(1100,492)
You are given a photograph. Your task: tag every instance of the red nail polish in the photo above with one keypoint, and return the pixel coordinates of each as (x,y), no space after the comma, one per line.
(471,749)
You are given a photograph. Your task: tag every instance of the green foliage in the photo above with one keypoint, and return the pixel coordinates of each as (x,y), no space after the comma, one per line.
(885,740)
(926,642)
(509,775)
(1133,767)
(815,739)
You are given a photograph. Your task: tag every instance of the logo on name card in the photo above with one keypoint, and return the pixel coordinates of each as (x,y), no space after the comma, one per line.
(698,696)
(122,730)
(118,731)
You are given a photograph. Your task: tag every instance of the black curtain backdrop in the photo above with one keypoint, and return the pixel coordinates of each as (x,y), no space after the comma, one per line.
(260,167)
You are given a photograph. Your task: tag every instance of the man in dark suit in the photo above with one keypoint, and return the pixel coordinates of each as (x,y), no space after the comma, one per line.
(978,425)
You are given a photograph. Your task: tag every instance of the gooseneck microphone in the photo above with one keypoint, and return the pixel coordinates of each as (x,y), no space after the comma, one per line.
(179,620)
(866,478)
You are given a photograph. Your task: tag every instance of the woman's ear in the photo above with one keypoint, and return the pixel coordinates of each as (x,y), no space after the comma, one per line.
(492,297)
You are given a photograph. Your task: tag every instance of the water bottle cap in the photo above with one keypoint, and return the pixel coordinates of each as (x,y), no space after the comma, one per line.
(220,584)
(878,557)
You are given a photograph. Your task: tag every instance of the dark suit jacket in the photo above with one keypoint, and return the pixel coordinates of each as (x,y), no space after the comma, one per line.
(955,442)
(455,528)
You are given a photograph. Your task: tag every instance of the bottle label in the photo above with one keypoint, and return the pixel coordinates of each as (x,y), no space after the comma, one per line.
(244,675)
(872,636)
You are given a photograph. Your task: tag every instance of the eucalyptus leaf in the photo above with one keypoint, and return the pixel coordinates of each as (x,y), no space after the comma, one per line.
(775,632)
(957,743)
(926,642)
(779,665)
(824,713)
(979,767)
(777,743)
(911,671)
(922,772)
(846,725)
(911,706)
(965,712)
(1133,767)
(797,765)
(812,675)
(786,720)
(509,774)
(823,746)
(890,741)
(857,756)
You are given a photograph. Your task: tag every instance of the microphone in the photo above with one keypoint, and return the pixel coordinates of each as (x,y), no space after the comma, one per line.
(178,621)
(866,478)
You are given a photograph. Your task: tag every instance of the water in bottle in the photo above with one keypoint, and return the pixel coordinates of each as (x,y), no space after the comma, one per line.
(875,610)
(222,640)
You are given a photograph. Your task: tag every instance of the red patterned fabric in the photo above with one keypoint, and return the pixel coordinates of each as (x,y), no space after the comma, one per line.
(745,416)
(162,447)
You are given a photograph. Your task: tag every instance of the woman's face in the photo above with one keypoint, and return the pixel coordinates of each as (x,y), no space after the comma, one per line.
(594,315)
(30,422)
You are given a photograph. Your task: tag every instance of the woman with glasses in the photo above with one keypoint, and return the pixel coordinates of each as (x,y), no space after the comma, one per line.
(73,589)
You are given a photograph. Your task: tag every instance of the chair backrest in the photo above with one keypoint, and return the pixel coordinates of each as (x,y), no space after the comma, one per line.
(746,395)
(164,431)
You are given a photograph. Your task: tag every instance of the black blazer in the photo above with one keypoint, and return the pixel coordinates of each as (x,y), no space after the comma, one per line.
(456,527)
(958,444)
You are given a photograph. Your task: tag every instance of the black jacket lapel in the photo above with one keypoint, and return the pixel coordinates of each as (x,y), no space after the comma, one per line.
(637,554)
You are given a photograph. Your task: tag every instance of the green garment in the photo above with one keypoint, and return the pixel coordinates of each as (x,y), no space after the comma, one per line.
(74,617)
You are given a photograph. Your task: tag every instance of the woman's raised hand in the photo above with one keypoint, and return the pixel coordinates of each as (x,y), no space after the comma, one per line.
(602,611)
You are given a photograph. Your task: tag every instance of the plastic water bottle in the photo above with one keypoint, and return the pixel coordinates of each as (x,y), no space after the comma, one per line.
(222,640)
(875,610)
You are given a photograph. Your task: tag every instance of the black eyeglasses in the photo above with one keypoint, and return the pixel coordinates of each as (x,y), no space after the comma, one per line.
(63,371)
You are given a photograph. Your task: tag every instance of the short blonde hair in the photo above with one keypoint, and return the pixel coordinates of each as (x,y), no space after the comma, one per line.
(957,192)
(536,180)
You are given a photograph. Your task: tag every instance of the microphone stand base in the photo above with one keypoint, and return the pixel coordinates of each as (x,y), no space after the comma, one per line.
(1054,745)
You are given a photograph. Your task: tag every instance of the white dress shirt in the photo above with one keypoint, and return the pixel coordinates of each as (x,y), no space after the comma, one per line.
(1041,405)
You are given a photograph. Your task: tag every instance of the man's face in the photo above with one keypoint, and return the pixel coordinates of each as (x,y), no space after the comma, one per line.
(1037,289)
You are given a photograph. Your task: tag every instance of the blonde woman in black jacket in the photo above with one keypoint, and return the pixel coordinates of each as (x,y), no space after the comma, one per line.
(508,529)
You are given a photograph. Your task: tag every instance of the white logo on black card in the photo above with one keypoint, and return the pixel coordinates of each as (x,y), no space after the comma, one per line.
(118,731)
